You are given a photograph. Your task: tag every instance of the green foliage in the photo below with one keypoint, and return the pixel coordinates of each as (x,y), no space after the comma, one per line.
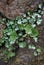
(28,29)
(8,54)
(13,37)
(34,32)
(22,44)
(13,31)
(31,47)
(37,51)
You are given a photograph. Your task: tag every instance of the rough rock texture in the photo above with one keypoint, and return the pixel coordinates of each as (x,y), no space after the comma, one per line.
(26,57)
(13,8)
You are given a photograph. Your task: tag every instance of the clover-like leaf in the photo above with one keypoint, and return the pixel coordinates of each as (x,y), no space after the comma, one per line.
(11,54)
(31,47)
(35,38)
(34,32)
(28,29)
(39,21)
(39,50)
(22,44)
(3,21)
(35,53)
(13,37)
(22,26)
(18,18)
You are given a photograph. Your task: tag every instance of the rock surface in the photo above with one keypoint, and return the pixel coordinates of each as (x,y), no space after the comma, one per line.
(13,8)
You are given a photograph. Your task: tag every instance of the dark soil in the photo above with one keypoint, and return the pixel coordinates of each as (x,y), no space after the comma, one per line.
(2,63)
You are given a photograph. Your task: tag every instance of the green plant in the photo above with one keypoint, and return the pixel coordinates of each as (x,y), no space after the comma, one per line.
(20,27)
(22,44)
(37,51)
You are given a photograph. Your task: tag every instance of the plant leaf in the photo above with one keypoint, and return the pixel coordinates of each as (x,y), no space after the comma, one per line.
(22,44)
